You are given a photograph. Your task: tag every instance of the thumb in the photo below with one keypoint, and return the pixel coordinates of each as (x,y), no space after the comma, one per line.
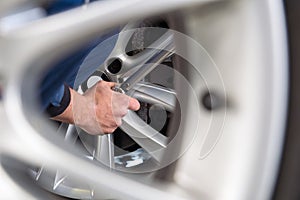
(133,104)
(109,84)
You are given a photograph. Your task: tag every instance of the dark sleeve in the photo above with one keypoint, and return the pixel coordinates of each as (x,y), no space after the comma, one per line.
(57,107)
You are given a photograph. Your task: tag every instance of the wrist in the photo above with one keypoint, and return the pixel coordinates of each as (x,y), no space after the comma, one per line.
(57,107)
(67,112)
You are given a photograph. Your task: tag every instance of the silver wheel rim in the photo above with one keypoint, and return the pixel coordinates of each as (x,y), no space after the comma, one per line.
(227,153)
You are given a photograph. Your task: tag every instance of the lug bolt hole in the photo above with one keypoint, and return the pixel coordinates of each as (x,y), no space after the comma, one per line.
(114,65)
(212,101)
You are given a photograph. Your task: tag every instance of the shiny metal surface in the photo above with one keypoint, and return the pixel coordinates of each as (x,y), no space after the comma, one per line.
(144,70)
(231,153)
(155,94)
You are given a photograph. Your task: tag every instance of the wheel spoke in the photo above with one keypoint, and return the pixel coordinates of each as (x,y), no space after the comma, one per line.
(59,178)
(123,39)
(38,173)
(152,55)
(144,135)
(104,150)
(154,94)
(144,70)
(165,42)
(71,133)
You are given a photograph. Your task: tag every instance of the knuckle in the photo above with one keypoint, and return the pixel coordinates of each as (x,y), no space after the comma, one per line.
(124,112)
(108,130)
(119,122)
(111,130)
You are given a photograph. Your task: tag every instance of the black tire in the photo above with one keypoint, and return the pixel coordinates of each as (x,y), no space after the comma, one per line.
(288,183)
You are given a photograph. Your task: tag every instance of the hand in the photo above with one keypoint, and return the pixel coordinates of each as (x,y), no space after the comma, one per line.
(99,110)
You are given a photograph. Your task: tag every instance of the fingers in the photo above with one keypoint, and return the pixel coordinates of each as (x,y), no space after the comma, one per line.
(107,84)
(133,104)
(123,102)
(108,130)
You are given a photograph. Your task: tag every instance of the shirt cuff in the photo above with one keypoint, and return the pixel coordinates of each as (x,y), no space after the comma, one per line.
(57,109)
